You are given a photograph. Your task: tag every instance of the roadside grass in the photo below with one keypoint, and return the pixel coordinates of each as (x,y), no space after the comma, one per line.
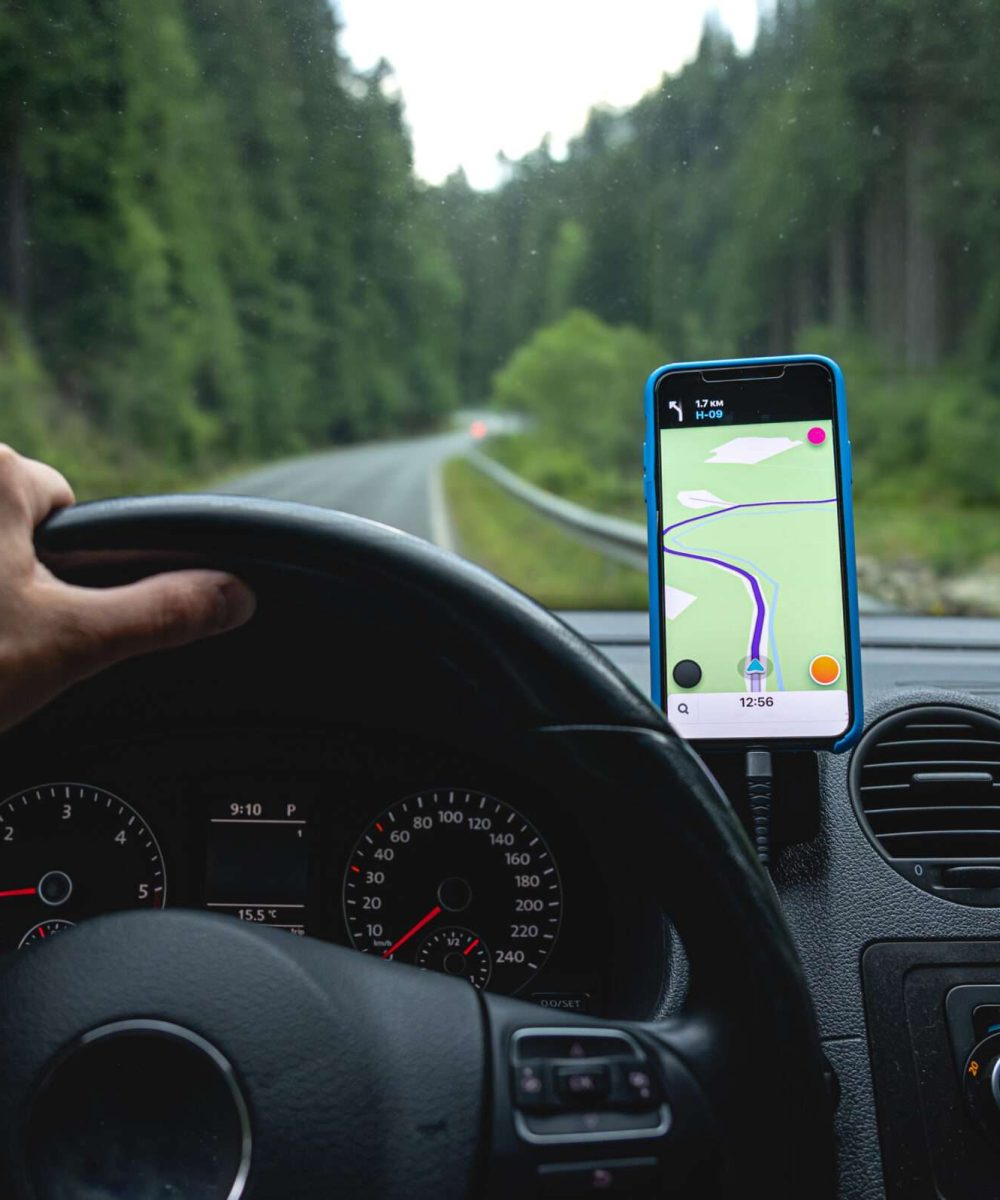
(566,471)
(948,538)
(505,536)
(908,518)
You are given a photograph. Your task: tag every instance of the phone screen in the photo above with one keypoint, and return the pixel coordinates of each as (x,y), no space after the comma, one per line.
(754,593)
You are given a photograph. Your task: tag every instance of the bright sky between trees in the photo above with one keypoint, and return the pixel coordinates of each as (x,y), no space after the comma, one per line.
(478,77)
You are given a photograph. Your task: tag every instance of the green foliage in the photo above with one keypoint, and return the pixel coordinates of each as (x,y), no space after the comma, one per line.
(26,393)
(212,239)
(834,189)
(579,382)
(842,173)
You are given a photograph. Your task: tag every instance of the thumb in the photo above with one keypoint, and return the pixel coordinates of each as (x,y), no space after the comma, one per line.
(102,626)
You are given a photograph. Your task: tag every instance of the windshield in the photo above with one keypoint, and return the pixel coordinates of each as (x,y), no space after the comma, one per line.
(416,261)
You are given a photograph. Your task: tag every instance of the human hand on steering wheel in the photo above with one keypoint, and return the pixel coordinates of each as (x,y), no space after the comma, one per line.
(53,634)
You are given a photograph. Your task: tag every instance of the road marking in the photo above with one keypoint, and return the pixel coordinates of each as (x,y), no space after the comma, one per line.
(441,531)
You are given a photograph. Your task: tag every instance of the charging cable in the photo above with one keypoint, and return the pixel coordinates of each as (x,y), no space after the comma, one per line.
(760,774)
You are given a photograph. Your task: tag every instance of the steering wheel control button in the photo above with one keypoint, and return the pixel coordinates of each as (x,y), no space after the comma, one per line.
(687,673)
(595,1125)
(590,1043)
(531,1089)
(632,1176)
(583,1085)
(636,1086)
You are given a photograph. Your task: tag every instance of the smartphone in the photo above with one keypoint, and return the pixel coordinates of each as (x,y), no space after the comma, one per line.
(752,585)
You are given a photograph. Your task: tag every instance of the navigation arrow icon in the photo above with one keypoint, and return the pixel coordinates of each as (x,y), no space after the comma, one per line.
(755,667)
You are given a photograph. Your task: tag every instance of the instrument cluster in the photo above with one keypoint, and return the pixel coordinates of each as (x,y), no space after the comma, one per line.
(494,884)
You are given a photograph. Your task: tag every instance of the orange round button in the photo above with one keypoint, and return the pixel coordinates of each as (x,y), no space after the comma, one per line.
(824,670)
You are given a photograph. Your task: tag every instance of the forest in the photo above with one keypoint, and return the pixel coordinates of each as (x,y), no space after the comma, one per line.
(835,190)
(214,250)
(212,245)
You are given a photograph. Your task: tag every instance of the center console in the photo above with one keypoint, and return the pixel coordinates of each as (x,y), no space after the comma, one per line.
(933,1010)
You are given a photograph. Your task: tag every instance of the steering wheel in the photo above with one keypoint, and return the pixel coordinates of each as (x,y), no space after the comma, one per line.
(180,1053)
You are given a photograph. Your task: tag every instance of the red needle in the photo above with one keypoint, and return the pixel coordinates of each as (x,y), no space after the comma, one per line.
(41,931)
(20,892)
(469,948)
(416,929)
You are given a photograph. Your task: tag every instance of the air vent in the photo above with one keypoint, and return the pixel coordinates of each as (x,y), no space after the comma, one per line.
(926,786)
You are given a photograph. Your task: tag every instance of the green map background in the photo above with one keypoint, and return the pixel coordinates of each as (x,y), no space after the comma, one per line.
(793,545)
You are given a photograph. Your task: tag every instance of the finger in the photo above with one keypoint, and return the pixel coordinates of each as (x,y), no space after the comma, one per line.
(31,486)
(100,626)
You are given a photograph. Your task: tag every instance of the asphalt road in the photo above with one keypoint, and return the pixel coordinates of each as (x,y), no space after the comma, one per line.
(397,483)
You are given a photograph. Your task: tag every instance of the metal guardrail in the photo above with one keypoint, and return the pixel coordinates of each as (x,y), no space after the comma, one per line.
(614,537)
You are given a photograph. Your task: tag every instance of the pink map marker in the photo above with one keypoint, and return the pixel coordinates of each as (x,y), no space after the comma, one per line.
(816,435)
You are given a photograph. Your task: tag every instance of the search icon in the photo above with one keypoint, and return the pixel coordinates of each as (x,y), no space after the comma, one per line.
(683,708)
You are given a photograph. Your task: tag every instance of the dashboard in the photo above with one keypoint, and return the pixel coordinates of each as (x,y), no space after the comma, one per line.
(415,853)
(330,775)
(903,964)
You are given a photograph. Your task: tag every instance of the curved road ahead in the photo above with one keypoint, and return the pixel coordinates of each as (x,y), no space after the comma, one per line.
(398,483)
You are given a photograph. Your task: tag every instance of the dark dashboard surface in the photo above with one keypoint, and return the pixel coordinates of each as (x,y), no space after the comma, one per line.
(265,825)
(846,905)
(283,783)
(255,800)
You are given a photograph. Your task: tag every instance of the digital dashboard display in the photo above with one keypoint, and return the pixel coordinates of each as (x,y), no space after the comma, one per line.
(754,622)
(257,865)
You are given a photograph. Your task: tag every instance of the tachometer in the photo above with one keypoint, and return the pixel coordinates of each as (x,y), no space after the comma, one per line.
(69,851)
(456,881)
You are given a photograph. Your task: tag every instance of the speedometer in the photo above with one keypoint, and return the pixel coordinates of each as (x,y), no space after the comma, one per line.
(455,881)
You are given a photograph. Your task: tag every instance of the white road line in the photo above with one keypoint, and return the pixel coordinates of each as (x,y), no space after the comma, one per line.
(441,531)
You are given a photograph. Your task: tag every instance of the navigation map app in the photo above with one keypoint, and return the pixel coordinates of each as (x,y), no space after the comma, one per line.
(753,593)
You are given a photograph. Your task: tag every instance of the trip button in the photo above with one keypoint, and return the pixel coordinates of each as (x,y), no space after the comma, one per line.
(583,1086)
(530,1090)
(635,1176)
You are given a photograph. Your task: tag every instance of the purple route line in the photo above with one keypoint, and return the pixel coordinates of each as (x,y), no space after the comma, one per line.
(715,512)
(758,625)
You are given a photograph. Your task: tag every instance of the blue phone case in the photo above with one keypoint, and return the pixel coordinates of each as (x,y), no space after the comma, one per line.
(653,539)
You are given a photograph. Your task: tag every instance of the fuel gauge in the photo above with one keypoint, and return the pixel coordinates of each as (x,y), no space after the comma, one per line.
(456,951)
(43,931)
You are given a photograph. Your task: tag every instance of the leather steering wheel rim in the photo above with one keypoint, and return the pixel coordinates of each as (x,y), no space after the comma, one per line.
(747,1039)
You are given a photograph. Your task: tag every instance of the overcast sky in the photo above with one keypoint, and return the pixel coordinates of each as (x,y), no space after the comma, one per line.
(479,76)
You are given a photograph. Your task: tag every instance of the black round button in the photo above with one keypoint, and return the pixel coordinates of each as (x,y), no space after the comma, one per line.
(687,673)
